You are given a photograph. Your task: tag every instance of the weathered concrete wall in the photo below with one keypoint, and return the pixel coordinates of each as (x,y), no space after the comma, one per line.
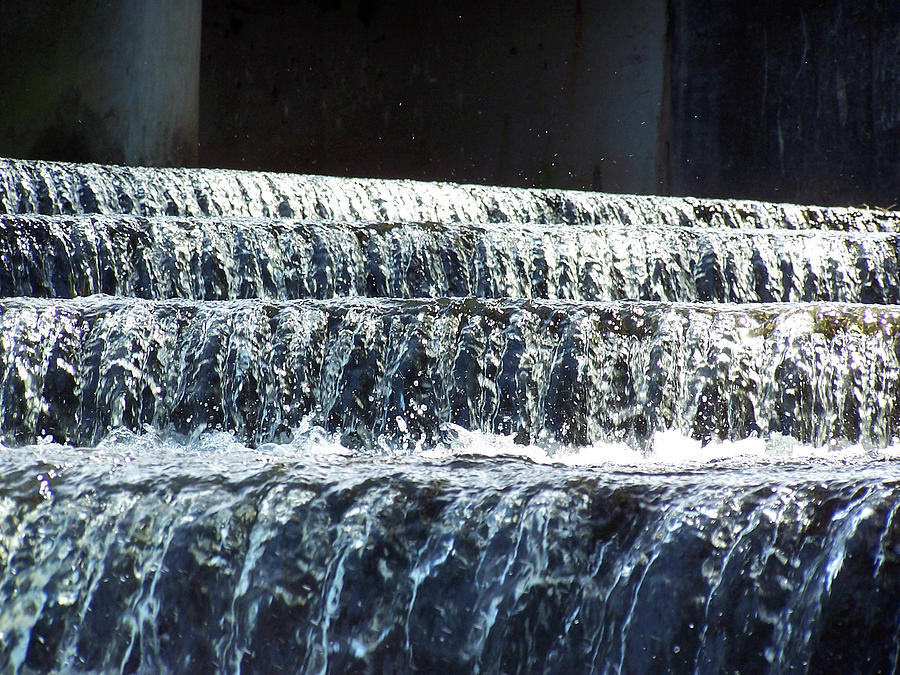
(791,101)
(509,92)
(92,80)
(783,101)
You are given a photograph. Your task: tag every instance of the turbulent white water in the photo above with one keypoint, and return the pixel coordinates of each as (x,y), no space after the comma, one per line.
(476,554)
(59,188)
(547,371)
(259,423)
(221,258)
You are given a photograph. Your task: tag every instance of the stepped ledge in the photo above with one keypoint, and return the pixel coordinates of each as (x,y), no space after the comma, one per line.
(57,188)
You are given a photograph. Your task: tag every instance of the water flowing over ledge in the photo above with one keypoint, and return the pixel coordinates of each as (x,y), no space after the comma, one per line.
(541,370)
(328,425)
(226,258)
(293,557)
(54,188)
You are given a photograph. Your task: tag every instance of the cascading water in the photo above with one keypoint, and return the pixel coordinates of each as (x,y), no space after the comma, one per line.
(258,422)
(221,258)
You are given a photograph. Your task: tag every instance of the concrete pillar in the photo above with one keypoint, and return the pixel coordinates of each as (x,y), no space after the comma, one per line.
(104,81)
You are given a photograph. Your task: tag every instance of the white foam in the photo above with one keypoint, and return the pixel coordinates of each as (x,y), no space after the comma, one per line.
(668,450)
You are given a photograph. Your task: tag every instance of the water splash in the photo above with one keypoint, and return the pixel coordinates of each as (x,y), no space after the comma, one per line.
(541,371)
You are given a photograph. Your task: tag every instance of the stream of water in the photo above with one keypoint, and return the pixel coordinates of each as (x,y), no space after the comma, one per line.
(261,422)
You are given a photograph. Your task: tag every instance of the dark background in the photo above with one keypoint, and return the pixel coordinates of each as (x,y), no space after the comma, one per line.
(793,101)
(785,101)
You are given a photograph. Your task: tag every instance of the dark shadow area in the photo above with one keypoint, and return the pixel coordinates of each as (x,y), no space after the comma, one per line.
(778,101)
(786,101)
(505,93)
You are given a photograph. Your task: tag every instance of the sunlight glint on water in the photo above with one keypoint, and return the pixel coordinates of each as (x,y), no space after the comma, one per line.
(261,422)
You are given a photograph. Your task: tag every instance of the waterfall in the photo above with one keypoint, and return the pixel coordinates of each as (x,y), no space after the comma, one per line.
(226,257)
(255,422)
(543,371)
